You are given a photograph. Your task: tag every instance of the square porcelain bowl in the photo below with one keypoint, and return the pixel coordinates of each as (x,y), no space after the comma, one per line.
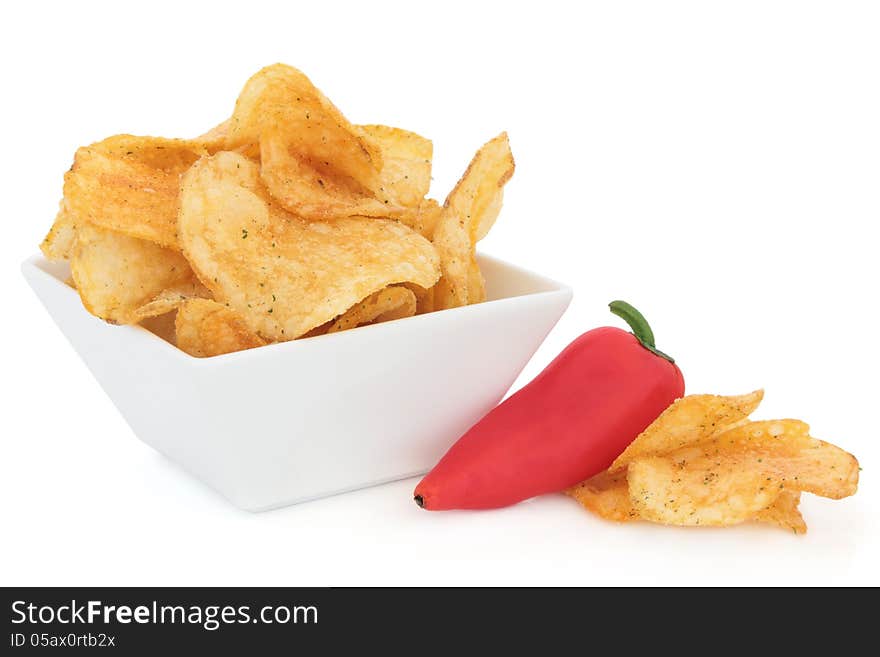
(300,420)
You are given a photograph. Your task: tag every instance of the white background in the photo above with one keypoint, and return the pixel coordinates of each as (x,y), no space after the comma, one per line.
(717,164)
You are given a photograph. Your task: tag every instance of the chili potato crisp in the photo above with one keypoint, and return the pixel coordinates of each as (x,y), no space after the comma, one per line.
(130,185)
(688,420)
(116,274)
(282,274)
(206,328)
(702,462)
(292,218)
(395,302)
(469,212)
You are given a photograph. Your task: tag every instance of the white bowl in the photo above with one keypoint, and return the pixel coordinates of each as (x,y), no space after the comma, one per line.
(300,420)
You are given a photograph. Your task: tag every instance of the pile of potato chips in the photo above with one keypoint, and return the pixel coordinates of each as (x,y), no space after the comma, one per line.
(285,221)
(703,462)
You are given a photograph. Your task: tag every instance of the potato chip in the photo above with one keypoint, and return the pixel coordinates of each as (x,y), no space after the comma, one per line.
(283,275)
(690,419)
(457,258)
(478,195)
(58,243)
(422,219)
(405,308)
(317,164)
(281,96)
(405,176)
(476,284)
(662,490)
(606,495)
(424,298)
(394,302)
(170,298)
(130,185)
(469,212)
(702,462)
(787,455)
(206,328)
(784,512)
(313,193)
(116,274)
(215,139)
(732,477)
(285,159)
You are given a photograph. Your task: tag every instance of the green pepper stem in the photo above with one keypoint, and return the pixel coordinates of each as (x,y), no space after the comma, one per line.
(639,325)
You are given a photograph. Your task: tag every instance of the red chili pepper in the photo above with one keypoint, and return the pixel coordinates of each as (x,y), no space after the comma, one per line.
(565,426)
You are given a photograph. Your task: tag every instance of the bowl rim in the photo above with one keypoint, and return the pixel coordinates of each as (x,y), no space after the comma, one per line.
(42,266)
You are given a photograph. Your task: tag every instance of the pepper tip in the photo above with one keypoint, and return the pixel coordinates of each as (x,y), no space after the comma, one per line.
(419,500)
